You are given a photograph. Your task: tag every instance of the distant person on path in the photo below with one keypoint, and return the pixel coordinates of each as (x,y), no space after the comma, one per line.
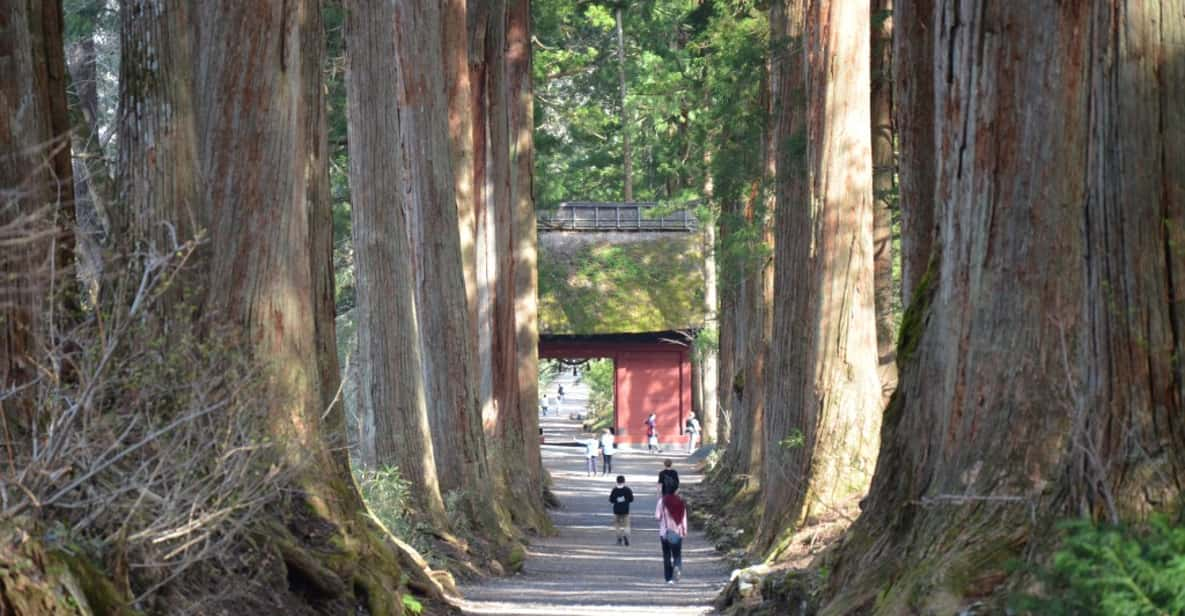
(668,479)
(554,403)
(590,453)
(560,391)
(693,430)
(651,434)
(671,513)
(621,497)
(608,448)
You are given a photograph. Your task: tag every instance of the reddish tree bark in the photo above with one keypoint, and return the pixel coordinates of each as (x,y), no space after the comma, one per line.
(505,248)
(524,255)
(823,406)
(1040,375)
(913,116)
(36,194)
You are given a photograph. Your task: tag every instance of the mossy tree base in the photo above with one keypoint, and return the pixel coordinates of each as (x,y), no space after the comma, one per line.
(37,580)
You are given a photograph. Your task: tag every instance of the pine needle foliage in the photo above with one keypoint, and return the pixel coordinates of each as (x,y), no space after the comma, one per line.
(1113,570)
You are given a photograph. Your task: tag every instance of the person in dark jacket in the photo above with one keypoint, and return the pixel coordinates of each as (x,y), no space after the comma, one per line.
(621,497)
(668,479)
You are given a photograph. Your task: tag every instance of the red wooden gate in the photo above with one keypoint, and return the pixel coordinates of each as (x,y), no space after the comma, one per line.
(652,375)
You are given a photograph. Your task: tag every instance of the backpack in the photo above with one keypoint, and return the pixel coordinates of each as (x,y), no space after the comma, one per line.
(670,482)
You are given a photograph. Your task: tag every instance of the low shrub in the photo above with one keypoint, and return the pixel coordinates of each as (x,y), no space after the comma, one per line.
(388,496)
(1125,570)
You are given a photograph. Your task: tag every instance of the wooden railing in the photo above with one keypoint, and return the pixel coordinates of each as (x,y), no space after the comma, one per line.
(589,216)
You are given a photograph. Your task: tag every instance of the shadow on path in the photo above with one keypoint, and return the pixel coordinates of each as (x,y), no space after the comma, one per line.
(581,571)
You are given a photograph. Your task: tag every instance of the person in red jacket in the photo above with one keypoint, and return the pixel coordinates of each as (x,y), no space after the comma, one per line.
(671,513)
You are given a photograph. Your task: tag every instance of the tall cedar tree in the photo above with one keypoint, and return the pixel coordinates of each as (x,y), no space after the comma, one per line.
(1040,355)
(823,410)
(384,91)
(159,203)
(751,314)
(884,170)
(260,145)
(913,119)
(503,275)
(36,195)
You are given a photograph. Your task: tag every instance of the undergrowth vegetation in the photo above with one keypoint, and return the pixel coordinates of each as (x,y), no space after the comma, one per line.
(599,375)
(1124,570)
(388,496)
(137,447)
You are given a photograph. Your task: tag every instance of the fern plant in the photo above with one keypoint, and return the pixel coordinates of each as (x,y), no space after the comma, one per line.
(1113,571)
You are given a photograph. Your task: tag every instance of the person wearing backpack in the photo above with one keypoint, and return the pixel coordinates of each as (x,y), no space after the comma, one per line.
(671,513)
(668,479)
(621,497)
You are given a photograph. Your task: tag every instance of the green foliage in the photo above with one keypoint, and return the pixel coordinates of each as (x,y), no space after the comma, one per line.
(708,339)
(578,108)
(795,440)
(599,374)
(389,498)
(412,605)
(639,286)
(549,371)
(334,73)
(1113,570)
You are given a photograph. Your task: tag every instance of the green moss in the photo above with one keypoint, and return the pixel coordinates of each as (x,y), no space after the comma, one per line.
(915,315)
(95,585)
(516,558)
(638,283)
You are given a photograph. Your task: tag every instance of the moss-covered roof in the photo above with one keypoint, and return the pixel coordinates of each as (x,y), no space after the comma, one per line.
(604,283)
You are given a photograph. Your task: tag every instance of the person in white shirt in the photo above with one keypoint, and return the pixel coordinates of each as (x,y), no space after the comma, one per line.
(590,453)
(693,432)
(608,448)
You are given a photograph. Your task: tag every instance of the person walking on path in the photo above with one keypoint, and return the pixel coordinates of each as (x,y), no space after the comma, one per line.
(621,497)
(651,433)
(608,448)
(590,453)
(668,479)
(693,431)
(671,513)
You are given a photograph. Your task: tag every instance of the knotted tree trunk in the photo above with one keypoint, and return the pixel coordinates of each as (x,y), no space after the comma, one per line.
(1040,372)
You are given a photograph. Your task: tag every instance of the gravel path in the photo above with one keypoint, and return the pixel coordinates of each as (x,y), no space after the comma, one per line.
(581,571)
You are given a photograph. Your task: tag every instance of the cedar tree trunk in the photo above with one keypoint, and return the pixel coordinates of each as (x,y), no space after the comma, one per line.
(380,86)
(824,405)
(913,115)
(884,170)
(1040,356)
(36,194)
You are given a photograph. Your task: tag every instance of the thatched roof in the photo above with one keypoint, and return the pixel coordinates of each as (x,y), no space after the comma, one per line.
(604,283)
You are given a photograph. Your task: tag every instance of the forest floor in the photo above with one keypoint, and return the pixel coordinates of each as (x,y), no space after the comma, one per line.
(581,571)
